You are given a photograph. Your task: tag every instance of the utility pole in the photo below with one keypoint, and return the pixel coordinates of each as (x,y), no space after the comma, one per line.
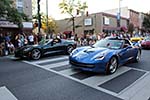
(47,16)
(119,15)
(39,15)
(73,23)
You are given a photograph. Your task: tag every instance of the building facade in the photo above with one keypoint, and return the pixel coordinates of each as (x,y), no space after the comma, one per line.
(24,6)
(105,21)
(135,17)
(93,23)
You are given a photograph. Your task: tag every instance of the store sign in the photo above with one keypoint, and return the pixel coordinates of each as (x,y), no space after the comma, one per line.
(19,4)
(8,24)
(12,25)
(88,21)
(106,21)
(27,25)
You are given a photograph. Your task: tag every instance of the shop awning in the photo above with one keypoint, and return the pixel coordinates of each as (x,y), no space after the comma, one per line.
(123,28)
(67,32)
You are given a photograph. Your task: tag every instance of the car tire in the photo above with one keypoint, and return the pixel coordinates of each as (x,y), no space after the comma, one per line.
(35,54)
(112,65)
(69,49)
(138,56)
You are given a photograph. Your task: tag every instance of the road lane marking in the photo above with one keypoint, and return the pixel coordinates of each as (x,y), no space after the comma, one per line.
(122,81)
(5,94)
(92,81)
(100,79)
(49,60)
(56,65)
(72,78)
(69,71)
(64,67)
(139,90)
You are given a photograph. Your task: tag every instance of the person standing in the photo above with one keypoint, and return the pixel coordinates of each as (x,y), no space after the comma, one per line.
(2,44)
(31,39)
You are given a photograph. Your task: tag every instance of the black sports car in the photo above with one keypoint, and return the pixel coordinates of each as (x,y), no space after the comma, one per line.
(48,47)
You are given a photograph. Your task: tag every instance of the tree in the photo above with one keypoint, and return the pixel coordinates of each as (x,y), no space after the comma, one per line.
(72,8)
(51,23)
(130,28)
(10,13)
(34,6)
(146,22)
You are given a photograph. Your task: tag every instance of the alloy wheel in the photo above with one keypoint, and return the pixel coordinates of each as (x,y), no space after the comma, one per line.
(36,54)
(69,49)
(113,64)
(138,57)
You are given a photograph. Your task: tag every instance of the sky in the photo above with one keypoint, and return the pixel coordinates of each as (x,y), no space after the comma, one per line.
(96,6)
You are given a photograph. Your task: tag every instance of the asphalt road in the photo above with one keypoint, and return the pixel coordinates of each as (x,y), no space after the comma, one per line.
(51,78)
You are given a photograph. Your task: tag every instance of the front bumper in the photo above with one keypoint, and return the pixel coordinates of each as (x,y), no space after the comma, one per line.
(92,67)
(22,54)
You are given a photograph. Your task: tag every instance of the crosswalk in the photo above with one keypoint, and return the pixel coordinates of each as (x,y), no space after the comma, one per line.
(118,84)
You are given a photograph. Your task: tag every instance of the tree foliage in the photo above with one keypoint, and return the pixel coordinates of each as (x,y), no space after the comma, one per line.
(34,6)
(51,23)
(130,28)
(72,8)
(146,22)
(10,13)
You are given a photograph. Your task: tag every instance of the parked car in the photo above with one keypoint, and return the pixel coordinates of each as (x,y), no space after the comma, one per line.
(136,38)
(48,47)
(146,43)
(105,55)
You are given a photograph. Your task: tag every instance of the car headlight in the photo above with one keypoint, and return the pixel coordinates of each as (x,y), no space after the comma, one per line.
(73,52)
(26,49)
(100,57)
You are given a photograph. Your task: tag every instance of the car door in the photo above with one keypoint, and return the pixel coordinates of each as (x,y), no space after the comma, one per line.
(55,46)
(126,52)
(48,49)
(58,47)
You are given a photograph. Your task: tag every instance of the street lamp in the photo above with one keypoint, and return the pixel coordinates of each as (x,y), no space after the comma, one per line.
(39,16)
(119,14)
(47,16)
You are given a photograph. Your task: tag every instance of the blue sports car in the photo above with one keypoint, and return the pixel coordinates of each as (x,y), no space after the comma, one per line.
(105,55)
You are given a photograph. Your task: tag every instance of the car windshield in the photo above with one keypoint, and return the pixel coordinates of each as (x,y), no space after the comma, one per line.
(108,43)
(45,42)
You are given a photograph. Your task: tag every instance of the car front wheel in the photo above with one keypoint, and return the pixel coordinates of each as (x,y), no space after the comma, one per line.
(35,54)
(69,49)
(138,56)
(112,65)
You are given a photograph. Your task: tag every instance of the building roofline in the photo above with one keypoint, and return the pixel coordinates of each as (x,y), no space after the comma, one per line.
(134,11)
(107,14)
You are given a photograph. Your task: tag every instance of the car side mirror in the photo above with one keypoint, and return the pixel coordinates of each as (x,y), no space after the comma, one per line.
(52,43)
(126,45)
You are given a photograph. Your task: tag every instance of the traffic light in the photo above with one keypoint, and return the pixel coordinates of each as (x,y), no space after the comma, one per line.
(87,13)
(39,15)
(38,1)
(78,11)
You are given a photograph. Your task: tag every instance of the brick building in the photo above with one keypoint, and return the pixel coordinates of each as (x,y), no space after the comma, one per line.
(93,23)
(105,21)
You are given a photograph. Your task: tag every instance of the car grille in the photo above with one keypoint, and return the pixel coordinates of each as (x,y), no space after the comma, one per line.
(82,64)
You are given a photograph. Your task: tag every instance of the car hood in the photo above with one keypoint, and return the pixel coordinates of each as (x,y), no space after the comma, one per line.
(136,38)
(89,54)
